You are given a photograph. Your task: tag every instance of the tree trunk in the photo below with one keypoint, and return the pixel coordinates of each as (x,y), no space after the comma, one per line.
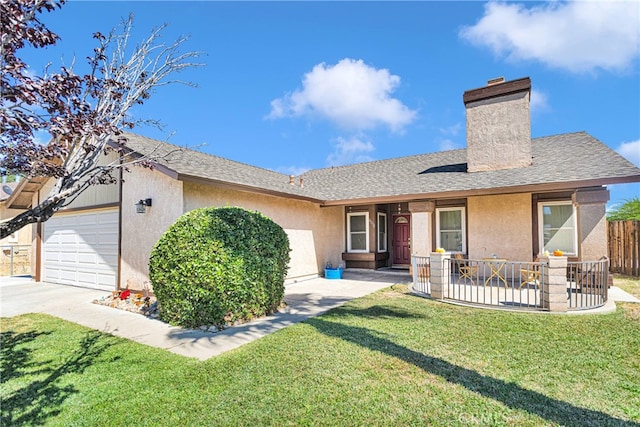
(39,213)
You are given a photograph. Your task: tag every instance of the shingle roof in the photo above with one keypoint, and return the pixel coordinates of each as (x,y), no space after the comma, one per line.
(191,165)
(569,160)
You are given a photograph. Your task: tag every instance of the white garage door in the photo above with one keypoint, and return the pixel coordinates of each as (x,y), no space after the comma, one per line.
(82,249)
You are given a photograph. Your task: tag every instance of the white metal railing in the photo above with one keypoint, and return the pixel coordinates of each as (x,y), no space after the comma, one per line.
(497,282)
(421,267)
(513,284)
(587,284)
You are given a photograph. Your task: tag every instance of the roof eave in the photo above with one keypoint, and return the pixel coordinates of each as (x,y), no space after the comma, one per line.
(529,188)
(22,195)
(245,188)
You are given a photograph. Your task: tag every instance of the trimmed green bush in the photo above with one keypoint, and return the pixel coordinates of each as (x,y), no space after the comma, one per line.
(215,266)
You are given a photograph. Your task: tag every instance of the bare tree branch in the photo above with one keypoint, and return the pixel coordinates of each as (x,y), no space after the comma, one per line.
(84,114)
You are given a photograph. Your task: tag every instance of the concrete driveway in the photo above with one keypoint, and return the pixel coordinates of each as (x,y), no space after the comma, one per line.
(304,299)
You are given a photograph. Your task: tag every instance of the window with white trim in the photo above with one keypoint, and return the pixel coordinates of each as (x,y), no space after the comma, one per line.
(382,232)
(557,227)
(451,230)
(358,232)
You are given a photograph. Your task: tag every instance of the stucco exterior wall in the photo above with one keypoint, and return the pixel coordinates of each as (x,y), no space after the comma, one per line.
(500,225)
(499,133)
(421,230)
(141,231)
(592,234)
(316,234)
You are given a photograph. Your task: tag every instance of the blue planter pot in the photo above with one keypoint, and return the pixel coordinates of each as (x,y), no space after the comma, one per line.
(333,273)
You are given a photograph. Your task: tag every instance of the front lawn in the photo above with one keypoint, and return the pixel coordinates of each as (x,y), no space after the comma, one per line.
(388,359)
(628,284)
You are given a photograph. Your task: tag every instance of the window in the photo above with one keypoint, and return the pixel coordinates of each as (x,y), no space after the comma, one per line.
(382,232)
(557,225)
(450,229)
(358,232)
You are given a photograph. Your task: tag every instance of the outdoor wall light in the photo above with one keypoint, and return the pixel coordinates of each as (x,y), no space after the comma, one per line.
(141,206)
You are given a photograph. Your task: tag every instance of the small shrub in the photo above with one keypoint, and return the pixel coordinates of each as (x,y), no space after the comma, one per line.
(215,266)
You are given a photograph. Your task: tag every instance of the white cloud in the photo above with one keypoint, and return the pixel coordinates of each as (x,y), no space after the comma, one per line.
(350,94)
(630,151)
(292,170)
(452,130)
(348,151)
(578,36)
(538,101)
(447,144)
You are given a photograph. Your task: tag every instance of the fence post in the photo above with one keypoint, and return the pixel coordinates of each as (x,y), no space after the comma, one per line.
(440,275)
(554,297)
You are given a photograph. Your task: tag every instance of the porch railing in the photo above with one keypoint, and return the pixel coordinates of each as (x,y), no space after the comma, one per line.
(587,284)
(15,260)
(514,284)
(497,283)
(421,269)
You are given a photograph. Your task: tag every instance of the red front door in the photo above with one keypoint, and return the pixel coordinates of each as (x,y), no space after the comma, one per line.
(401,239)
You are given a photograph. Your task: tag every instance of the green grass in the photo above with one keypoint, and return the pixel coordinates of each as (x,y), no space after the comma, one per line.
(388,359)
(632,286)
(628,284)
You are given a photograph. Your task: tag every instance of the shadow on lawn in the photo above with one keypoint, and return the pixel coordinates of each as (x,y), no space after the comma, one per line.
(40,399)
(510,394)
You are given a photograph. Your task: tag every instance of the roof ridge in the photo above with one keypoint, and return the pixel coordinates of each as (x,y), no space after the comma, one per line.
(581,132)
(411,156)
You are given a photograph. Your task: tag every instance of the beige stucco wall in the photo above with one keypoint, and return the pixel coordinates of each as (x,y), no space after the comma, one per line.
(421,233)
(499,133)
(421,229)
(500,225)
(140,231)
(592,231)
(316,234)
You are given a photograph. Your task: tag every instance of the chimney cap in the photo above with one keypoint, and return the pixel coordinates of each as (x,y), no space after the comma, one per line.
(497,89)
(495,81)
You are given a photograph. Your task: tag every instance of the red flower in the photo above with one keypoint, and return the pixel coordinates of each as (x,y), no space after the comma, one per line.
(125,294)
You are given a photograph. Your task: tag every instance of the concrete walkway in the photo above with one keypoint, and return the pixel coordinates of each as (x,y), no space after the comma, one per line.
(304,299)
(618,295)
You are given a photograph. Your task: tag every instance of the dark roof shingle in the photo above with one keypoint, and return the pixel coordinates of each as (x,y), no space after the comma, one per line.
(575,159)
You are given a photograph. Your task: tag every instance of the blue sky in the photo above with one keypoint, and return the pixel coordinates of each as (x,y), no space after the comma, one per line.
(292,86)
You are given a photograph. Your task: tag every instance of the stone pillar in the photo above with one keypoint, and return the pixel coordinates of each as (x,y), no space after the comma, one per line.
(554,297)
(439,275)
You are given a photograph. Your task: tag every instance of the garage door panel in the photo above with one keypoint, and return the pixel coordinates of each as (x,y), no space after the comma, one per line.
(107,239)
(89,220)
(89,260)
(87,279)
(67,239)
(89,239)
(82,249)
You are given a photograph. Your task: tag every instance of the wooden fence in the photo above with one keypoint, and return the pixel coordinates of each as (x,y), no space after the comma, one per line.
(624,247)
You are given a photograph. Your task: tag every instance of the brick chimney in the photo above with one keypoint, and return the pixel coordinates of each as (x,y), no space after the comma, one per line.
(498,125)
